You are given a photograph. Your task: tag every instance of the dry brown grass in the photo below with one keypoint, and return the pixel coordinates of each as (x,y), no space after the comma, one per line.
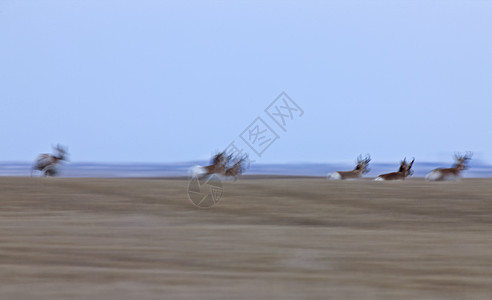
(283,238)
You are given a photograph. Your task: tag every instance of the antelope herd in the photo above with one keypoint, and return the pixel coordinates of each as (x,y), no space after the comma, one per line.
(405,170)
(230,167)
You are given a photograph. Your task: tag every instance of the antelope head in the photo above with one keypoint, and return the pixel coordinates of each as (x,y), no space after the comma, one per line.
(362,164)
(462,160)
(240,163)
(406,168)
(219,159)
(403,165)
(61,152)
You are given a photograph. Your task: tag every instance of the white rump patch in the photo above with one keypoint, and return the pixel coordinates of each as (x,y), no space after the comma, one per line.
(197,171)
(379,179)
(334,176)
(433,176)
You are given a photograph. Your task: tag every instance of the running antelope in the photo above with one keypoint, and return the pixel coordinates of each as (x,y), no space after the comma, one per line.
(403,172)
(218,166)
(453,173)
(47,163)
(360,169)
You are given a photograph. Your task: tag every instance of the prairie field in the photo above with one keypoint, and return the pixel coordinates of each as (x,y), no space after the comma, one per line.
(267,238)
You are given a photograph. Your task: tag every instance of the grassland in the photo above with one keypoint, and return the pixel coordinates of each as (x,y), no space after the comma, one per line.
(268,238)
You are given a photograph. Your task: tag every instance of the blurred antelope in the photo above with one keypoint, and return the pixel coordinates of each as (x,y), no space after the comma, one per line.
(360,169)
(47,163)
(403,172)
(453,173)
(218,166)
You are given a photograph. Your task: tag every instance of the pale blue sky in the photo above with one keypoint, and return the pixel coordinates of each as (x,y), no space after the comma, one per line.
(162,81)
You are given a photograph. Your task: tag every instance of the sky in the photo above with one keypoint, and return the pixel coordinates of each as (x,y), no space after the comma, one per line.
(173,81)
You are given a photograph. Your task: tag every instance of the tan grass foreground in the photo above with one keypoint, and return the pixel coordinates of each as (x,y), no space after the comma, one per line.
(281,238)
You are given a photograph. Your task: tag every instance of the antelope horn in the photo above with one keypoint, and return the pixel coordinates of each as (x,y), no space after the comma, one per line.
(409,166)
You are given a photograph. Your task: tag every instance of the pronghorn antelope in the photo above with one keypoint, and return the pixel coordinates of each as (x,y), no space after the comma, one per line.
(403,172)
(47,163)
(218,166)
(453,173)
(360,169)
